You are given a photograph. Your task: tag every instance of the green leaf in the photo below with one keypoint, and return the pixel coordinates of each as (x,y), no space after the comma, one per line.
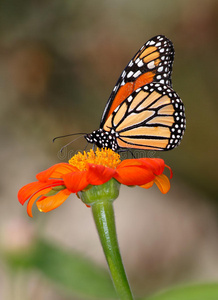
(73,272)
(66,269)
(195,292)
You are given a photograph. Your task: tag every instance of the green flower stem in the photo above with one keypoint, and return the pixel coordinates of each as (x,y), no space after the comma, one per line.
(100,198)
(103,214)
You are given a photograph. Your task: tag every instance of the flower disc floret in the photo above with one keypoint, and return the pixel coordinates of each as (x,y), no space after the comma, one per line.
(105,157)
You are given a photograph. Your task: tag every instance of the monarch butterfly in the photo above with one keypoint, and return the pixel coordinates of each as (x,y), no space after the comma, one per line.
(143,111)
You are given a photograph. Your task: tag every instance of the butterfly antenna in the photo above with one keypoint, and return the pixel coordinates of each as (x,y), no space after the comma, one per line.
(71,142)
(66,135)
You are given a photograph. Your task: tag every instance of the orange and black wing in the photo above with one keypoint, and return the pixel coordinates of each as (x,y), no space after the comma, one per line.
(151,118)
(152,63)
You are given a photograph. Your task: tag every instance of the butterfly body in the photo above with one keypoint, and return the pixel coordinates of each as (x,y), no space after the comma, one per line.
(104,139)
(143,111)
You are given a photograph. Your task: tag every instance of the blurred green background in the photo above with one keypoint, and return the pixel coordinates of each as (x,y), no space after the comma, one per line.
(59,62)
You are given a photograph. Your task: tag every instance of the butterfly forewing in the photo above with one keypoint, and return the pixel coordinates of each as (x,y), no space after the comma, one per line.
(152,117)
(152,63)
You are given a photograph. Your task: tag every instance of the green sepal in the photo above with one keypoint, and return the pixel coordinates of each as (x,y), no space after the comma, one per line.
(55,190)
(107,191)
(59,188)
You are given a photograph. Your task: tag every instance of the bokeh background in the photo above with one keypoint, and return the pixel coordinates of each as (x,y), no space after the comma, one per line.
(59,61)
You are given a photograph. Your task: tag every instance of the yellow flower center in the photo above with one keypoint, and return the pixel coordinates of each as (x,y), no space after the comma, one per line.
(105,157)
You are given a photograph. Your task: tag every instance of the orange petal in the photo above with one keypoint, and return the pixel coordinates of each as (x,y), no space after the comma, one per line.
(134,175)
(52,202)
(31,188)
(98,174)
(26,191)
(56,171)
(33,199)
(155,164)
(147,185)
(163,183)
(75,181)
(130,162)
(171,172)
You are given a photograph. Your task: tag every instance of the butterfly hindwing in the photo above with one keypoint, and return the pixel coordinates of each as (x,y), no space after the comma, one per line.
(151,118)
(152,63)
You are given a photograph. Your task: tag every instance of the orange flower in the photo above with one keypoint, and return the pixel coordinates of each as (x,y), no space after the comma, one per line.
(55,184)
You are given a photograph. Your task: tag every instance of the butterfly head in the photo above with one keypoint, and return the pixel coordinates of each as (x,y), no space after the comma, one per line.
(103,139)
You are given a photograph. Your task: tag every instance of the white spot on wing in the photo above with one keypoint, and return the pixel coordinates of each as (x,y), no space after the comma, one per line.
(130,98)
(137,74)
(123,74)
(151,65)
(140,63)
(130,74)
(130,63)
